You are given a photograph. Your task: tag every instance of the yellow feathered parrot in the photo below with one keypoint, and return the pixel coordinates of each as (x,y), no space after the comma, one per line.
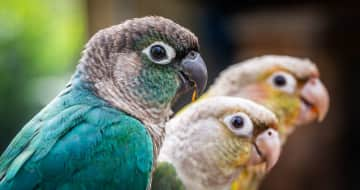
(288,86)
(214,139)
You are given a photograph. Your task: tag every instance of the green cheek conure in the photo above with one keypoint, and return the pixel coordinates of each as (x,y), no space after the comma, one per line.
(105,129)
(212,140)
(288,86)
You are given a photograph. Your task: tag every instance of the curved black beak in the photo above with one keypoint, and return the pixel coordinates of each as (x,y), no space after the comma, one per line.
(195,71)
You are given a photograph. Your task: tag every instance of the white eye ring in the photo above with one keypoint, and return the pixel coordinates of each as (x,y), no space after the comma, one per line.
(240,124)
(283,81)
(170,53)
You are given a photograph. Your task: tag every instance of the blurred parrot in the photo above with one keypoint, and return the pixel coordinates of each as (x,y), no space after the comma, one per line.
(288,86)
(104,130)
(210,142)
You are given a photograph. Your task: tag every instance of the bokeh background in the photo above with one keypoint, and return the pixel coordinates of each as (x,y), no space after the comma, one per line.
(41,41)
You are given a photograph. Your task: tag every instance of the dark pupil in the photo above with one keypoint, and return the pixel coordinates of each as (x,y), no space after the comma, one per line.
(237,122)
(157,52)
(280,80)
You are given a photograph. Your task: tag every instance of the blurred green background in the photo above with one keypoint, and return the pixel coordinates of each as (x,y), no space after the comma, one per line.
(41,42)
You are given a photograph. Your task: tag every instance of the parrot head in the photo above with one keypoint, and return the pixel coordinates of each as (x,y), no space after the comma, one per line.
(288,86)
(215,138)
(142,65)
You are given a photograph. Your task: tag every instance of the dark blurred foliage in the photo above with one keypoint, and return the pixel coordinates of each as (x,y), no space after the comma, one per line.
(40,42)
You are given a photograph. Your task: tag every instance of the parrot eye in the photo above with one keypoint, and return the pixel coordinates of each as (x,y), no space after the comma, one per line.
(283,81)
(237,122)
(279,80)
(159,52)
(240,124)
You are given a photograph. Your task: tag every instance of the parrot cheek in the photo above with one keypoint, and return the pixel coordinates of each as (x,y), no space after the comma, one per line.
(242,158)
(256,92)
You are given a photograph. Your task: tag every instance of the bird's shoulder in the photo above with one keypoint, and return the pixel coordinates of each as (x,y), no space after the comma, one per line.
(165,177)
(66,116)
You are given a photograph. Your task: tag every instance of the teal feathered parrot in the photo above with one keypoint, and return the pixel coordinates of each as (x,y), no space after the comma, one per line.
(104,130)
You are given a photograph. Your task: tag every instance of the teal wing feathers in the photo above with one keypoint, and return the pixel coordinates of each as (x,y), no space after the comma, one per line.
(78,142)
(165,178)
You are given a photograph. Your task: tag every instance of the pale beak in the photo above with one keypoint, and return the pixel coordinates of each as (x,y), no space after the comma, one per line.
(315,102)
(266,149)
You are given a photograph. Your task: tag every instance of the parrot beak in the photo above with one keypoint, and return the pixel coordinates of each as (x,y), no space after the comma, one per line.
(267,148)
(193,73)
(314,101)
